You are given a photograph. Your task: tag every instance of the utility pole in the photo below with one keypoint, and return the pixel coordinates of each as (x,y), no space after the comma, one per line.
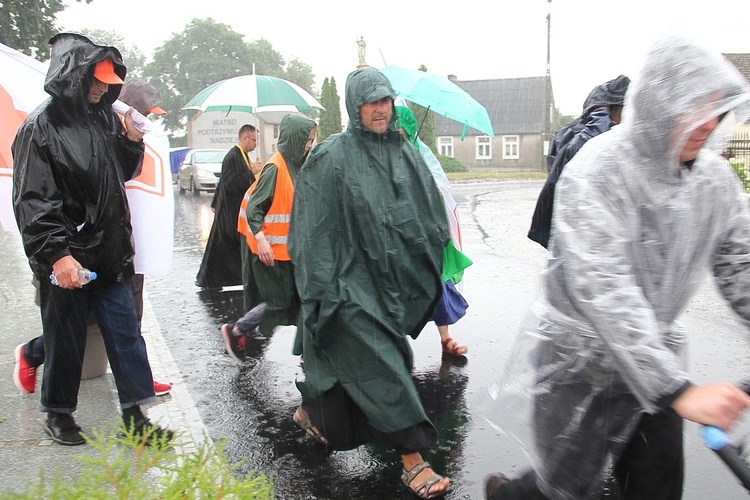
(549,80)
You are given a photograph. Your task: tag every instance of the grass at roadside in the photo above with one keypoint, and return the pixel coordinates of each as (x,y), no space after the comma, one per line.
(496,175)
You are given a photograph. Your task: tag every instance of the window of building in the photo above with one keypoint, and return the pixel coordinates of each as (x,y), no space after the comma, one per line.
(445,146)
(484,147)
(510,147)
(275,131)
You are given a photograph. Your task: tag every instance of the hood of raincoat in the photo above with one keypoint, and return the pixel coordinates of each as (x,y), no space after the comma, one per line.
(294,131)
(682,86)
(611,93)
(140,95)
(366,85)
(71,69)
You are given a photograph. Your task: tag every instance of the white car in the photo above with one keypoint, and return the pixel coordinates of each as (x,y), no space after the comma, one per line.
(200,170)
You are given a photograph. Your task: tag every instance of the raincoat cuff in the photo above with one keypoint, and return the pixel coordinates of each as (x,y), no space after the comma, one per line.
(54,257)
(666,401)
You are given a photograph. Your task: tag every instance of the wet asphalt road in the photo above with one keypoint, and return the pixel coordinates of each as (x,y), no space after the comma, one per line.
(251,406)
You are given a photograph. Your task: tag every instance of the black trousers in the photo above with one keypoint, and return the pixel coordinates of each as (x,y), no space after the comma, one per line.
(650,466)
(346,427)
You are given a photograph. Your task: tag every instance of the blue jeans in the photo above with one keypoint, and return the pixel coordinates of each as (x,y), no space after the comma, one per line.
(64,315)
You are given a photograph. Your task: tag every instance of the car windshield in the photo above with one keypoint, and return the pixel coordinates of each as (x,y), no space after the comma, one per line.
(209,156)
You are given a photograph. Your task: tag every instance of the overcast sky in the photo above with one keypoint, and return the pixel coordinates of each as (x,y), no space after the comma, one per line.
(592,41)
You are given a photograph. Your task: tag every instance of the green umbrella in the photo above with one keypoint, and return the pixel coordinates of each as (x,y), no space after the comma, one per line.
(440,95)
(253,94)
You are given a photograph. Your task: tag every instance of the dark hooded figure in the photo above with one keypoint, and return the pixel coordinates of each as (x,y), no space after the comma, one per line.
(367,238)
(601,111)
(72,157)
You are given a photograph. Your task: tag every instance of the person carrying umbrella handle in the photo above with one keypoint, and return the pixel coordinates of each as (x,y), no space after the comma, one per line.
(452,305)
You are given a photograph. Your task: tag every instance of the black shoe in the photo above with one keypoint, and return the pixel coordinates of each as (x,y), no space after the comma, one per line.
(148,432)
(235,344)
(63,429)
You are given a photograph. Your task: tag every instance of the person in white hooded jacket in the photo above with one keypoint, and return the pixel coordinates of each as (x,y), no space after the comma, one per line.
(644,211)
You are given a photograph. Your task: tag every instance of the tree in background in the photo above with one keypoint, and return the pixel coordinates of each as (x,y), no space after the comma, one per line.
(204,53)
(301,74)
(425,121)
(27,26)
(563,120)
(133,58)
(207,52)
(330,118)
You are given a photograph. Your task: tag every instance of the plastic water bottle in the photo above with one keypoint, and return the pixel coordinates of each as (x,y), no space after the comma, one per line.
(83,274)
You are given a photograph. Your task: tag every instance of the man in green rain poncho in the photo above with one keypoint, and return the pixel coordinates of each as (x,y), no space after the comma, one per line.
(367,236)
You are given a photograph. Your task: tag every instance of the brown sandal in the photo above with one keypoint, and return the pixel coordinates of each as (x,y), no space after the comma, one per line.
(306,424)
(423,490)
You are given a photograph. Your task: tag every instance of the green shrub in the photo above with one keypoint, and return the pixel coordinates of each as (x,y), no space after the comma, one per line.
(450,164)
(123,467)
(741,170)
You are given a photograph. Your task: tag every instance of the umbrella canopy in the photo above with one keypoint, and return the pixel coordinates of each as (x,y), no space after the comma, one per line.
(253,94)
(21,90)
(440,95)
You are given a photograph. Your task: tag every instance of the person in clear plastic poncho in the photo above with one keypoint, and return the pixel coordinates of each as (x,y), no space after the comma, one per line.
(644,210)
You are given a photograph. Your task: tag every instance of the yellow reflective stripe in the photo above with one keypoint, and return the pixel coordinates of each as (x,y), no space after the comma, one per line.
(277,240)
(277,218)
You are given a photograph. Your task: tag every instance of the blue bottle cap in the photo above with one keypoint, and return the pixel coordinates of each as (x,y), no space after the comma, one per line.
(715,438)
(92,275)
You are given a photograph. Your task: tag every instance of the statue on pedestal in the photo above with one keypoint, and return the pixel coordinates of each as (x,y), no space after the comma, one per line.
(361,50)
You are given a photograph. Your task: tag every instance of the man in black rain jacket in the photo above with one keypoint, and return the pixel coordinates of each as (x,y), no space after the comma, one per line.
(71,158)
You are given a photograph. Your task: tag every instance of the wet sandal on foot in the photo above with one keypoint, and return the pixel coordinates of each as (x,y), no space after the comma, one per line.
(453,348)
(422,490)
(302,419)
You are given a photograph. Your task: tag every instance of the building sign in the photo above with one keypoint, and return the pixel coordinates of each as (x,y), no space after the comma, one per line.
(217,129)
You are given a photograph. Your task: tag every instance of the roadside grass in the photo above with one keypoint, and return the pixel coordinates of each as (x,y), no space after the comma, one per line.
(496,175)
(124,467)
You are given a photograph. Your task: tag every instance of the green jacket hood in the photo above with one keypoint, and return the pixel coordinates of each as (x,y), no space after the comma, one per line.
(362,86)
(71,69)
(293,133)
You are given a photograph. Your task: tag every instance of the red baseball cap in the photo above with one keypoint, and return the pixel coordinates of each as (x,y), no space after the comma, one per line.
(156,110)
(104,71)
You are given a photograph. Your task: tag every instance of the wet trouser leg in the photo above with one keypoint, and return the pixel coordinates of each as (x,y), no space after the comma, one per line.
(250,295)
(652,464)
(116,316)
(64,314)
(277,288)
(33,351)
